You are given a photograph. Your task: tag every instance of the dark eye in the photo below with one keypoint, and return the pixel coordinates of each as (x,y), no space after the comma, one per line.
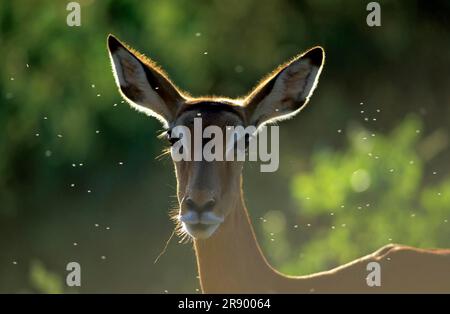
(172,140)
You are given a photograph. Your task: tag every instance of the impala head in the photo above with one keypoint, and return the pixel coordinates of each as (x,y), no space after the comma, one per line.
(209,190)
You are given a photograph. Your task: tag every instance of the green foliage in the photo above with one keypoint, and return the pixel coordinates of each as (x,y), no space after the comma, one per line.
(56,80)
(371,194)
(43,280)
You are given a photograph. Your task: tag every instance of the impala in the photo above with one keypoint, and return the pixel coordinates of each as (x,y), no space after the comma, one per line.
(212,210)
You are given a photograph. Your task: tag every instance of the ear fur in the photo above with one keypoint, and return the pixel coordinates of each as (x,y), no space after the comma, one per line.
(287,90)
(145,86)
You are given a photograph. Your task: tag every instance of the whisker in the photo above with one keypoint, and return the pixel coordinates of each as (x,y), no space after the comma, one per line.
(162,134)
(165,246)
(165,152)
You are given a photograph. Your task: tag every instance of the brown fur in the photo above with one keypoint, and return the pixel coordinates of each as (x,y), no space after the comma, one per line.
(230,260)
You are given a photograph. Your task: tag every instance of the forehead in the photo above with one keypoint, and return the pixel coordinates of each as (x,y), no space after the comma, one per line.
(211,113)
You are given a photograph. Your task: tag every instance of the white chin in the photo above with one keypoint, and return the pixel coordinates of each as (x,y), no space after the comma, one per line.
(200,231)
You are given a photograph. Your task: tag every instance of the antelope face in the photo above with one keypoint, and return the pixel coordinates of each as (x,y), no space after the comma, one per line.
(208,190)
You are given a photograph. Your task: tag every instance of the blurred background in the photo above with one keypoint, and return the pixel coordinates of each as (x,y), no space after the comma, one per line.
(364,165)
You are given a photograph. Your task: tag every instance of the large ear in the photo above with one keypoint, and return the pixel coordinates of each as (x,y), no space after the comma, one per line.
(287,90)
(142,83)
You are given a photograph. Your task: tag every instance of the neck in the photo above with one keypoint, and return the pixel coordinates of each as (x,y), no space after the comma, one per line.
(231,260)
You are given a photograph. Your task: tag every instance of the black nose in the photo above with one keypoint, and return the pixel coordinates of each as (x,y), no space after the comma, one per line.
(195,206)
